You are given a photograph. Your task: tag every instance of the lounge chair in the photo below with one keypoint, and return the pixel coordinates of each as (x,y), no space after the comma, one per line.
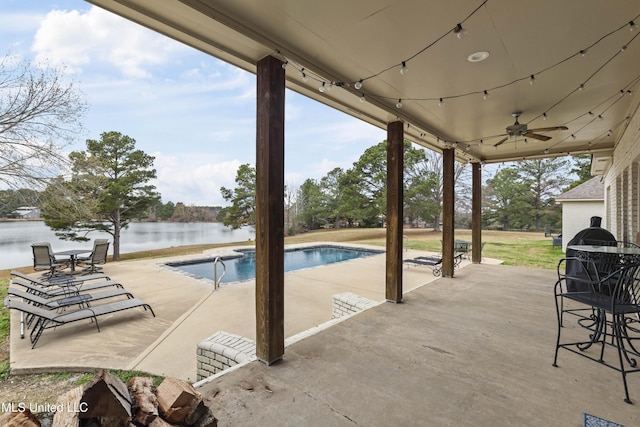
(98,256)
(47,319)
(43,260)
(58,279)
(66,301)
(82,300)
(64,289)
(433,262)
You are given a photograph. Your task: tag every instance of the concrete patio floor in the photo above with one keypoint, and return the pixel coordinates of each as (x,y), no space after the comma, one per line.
(471,350)
(475,350)
(188,311)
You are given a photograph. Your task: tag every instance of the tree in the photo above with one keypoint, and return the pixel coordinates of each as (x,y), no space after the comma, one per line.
(425,187)
(39,112)
(108,188)
(546,179)
(243,199)
(510,200)
(582,168)
(310,199)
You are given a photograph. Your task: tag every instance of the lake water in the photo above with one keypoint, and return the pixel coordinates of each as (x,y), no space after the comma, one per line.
(16,238)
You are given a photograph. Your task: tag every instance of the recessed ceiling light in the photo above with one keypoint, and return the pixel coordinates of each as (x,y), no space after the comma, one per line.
(478,56)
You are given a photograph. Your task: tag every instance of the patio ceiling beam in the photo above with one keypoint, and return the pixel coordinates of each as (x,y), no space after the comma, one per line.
(270,210)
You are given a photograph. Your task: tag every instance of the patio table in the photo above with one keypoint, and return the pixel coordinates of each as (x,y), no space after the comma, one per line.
(73,256)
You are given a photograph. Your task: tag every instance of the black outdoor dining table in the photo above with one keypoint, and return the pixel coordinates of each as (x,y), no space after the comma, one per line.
(73,255)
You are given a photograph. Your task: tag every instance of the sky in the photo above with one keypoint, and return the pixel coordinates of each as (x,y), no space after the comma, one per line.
(194,113)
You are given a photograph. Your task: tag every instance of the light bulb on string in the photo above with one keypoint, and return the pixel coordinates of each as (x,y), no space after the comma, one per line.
(460,32)
(399,104)
(581,87)
(584,52)
(544,116)
(329,87)
(441,102)
(404,70)
(632,26)
(485,96)
(284,65)
(546,151)
(532,80)
(358,85)
(322,88)
(362,98)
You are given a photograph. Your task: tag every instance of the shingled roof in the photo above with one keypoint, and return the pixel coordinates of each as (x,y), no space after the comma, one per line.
(590,190)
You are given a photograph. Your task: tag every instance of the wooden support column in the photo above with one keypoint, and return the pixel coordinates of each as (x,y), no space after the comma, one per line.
(476,213)
(448,201)
(270,210)
(395,193)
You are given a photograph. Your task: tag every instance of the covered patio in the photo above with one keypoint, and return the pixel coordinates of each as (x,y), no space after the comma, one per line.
(476,350)
(481,82)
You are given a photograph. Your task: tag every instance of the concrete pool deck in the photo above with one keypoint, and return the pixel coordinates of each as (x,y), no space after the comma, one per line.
(188,311)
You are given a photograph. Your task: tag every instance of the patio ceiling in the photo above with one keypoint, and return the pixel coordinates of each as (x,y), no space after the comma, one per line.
(339,43)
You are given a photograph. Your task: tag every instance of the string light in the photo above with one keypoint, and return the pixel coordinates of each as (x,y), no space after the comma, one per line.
(460,32)
(581,87)
(327,85)
(404,70)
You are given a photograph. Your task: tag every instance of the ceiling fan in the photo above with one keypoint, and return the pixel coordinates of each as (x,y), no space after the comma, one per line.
(517,129)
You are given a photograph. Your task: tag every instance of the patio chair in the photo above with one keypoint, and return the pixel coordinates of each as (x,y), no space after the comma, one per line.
(47,319)
(43,260)
(607,308)
(98,256)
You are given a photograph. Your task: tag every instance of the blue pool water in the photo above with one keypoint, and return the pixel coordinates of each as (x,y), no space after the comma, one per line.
(244,267)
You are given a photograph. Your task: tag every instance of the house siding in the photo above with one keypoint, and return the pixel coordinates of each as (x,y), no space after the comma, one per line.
(621,182)
(576,216)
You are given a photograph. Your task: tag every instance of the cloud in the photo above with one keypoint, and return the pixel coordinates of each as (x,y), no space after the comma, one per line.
(194,178)
(98,37)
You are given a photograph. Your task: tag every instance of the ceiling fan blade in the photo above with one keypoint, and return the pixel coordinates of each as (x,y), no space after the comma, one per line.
(549,129)
(502,141)
(537,136)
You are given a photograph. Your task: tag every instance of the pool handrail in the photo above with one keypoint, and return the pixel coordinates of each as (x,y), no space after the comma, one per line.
(217,280)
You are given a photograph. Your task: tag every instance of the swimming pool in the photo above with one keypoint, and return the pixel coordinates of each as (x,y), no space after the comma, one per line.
(243,266)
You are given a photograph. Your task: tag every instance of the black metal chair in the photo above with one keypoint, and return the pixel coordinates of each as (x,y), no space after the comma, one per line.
(44,260)
(607,306)
(98,256)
